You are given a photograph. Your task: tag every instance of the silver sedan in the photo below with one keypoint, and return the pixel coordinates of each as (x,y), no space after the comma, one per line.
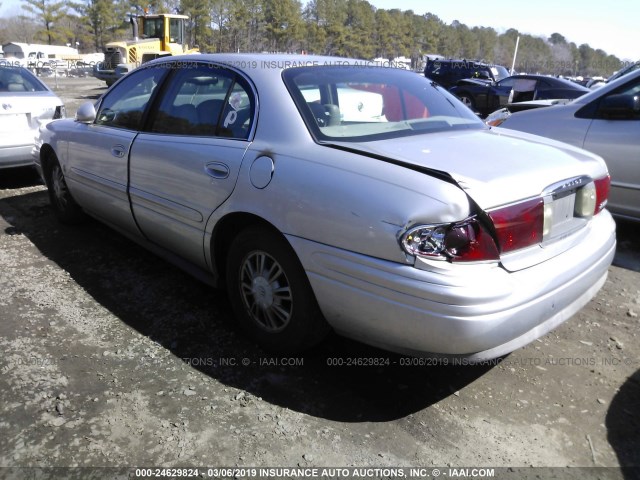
(605,121)
(25,105)
(326,193)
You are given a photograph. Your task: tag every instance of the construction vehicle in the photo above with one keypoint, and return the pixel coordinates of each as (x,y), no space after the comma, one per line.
(162,35)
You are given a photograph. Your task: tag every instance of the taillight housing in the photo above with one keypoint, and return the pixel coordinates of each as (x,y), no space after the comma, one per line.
(516,226)
(60,112)
(519,225)
(602,193)
(465,241)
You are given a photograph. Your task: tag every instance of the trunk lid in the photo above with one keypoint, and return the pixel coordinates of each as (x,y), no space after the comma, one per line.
(494,168)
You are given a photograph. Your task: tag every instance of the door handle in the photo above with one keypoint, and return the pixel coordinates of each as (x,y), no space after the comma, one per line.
(217,170)
(118,151)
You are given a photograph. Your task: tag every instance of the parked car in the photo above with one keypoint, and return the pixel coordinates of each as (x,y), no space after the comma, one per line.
(597,83)
(448,72)
(387,227)
(486,97)
(606,121)
(26,103)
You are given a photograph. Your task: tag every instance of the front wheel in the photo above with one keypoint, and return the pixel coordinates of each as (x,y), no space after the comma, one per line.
(270,293)
(64,206)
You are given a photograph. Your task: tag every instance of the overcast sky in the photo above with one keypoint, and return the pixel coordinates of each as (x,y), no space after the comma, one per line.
(611,26)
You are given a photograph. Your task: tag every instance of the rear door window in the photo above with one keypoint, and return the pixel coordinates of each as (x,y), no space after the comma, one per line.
(204,100)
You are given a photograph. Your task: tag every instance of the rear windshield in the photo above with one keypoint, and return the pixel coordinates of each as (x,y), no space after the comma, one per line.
(363,103)
(18,79)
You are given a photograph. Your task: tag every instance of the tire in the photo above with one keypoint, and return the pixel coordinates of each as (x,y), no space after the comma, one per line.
(64,206)
(468,101)
(270,293)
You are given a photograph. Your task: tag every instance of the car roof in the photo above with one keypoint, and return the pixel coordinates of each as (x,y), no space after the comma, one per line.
(266,67)
(556,80)
(244,61)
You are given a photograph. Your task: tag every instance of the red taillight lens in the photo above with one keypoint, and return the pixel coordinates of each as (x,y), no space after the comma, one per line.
(469,242)
(520,225)
(602,193)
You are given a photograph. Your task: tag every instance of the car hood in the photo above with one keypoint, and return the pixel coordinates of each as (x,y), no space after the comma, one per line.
(494,167)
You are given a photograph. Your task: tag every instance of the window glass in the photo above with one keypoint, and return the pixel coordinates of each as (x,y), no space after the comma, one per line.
(153,28)
(357,103)
(237,115)
(499,72)
(507,82)
(628,96)
(175,30)
(524,85)
(631,89)
(204,101)
(18,79)
(124,106)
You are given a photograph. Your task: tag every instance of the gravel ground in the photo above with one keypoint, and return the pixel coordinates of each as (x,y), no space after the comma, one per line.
(112,357)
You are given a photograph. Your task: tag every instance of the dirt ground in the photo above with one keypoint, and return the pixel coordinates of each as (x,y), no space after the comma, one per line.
(110,356)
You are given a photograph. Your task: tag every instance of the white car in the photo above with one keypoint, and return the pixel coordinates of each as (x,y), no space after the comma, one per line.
(605,121)
(25,105)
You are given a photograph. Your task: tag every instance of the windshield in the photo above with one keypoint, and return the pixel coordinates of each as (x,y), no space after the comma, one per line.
(499,72)
(364,103)
(153,28)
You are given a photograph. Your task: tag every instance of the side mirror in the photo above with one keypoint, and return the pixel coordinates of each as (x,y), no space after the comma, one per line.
(86,113)
(619,106)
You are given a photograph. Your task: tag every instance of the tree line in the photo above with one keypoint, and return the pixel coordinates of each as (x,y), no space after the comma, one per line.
(349,28)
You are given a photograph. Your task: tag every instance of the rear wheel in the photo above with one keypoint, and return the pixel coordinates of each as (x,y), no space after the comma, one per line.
(64,206)
(468,101)
(270,293)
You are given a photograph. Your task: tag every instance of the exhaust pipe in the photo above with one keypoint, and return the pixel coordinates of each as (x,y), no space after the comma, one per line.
(134,27)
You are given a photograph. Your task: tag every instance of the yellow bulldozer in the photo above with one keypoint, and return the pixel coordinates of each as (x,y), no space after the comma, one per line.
(154,36)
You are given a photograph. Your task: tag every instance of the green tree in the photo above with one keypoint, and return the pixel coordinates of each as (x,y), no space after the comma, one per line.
(487,40)
(329,18)
(220,18)
(315,37)
(449,42)
(469,43)
(360,23)
(557,39)
(101,19)
(246,26)
(198,27)
(393,29)
(283,24)
(47,13)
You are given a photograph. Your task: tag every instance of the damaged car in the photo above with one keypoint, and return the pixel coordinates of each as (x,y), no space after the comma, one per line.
(331,194)
(25,105)
(485,97)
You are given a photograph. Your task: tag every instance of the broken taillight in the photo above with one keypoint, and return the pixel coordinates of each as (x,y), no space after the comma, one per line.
(465,241)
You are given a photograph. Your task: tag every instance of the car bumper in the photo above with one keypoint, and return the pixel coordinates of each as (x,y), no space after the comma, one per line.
(16,156)
(477,312)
